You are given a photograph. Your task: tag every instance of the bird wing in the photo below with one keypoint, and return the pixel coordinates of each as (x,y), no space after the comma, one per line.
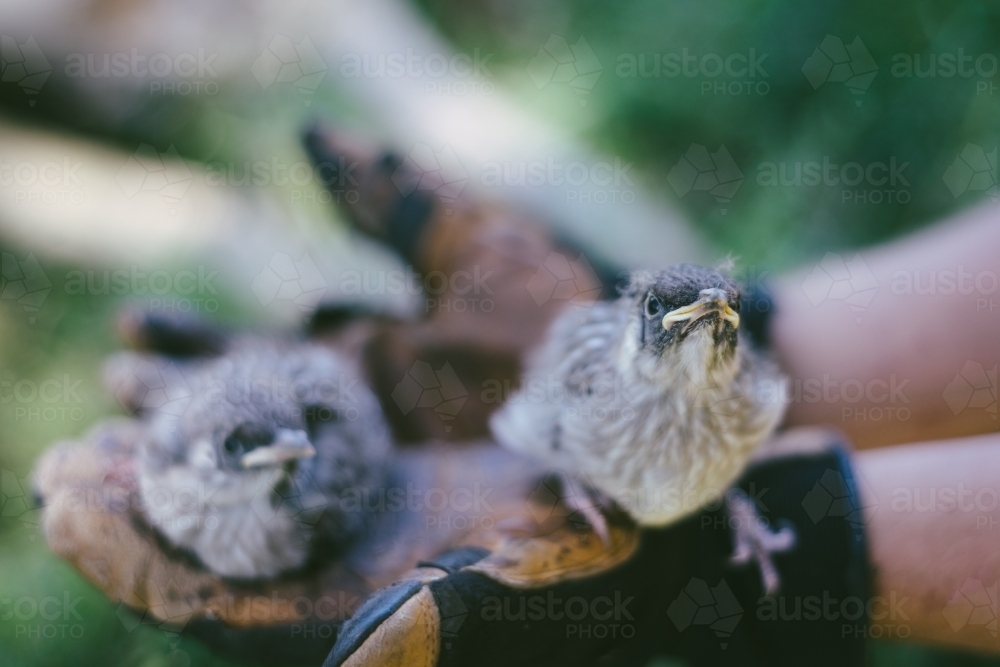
(559,376)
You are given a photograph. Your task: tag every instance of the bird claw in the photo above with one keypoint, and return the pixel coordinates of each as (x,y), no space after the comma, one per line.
(582,498)
(754,539)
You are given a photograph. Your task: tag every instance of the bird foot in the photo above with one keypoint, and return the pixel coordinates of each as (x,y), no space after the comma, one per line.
(583,499)
(754,540)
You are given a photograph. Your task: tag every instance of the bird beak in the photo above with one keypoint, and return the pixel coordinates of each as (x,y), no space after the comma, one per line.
(712,301)
(288,445)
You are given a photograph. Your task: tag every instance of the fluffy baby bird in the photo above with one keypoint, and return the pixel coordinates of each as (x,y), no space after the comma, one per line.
(653,399)
(254,458)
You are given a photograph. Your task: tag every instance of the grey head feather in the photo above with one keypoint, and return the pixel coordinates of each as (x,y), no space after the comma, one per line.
(263,519)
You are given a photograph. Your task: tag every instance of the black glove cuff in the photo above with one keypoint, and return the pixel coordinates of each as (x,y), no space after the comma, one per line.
(676,595)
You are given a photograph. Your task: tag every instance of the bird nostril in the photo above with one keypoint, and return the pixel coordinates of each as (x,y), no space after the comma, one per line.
(713,293)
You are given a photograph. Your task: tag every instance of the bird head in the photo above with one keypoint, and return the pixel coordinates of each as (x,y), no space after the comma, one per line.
(263,407)
(252,450)
(686,318)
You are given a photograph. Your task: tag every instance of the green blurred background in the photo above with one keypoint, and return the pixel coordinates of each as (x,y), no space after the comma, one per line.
(925,122)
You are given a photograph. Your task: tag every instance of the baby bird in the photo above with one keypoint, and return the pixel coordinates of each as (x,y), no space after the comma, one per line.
(256,457)
(653,399)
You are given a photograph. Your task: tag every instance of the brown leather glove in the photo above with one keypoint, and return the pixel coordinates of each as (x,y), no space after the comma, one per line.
(436,499)
(670,592)
(493,281)
(473,560)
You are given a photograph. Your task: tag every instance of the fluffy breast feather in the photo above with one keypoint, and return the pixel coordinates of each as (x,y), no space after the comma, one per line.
(662,447)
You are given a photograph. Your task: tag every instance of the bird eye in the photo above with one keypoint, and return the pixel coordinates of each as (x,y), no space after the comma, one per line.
(231,445)
(653,306)
(247,437)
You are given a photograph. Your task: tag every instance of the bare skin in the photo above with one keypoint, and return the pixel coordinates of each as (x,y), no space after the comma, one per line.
(934,539)
(916,343)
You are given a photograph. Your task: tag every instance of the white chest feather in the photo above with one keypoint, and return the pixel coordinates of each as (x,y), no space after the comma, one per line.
(236,530)
(661,440)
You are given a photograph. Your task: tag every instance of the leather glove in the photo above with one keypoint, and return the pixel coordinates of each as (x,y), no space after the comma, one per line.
(669,591)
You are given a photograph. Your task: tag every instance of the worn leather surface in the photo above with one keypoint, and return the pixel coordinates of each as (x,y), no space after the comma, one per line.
(496,279)
(437,498)
(676,595)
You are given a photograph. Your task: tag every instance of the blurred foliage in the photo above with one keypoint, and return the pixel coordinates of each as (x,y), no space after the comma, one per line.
(49,615)
(653,120)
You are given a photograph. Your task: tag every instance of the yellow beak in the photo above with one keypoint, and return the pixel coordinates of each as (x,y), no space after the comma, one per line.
(289,445)
(714,302)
